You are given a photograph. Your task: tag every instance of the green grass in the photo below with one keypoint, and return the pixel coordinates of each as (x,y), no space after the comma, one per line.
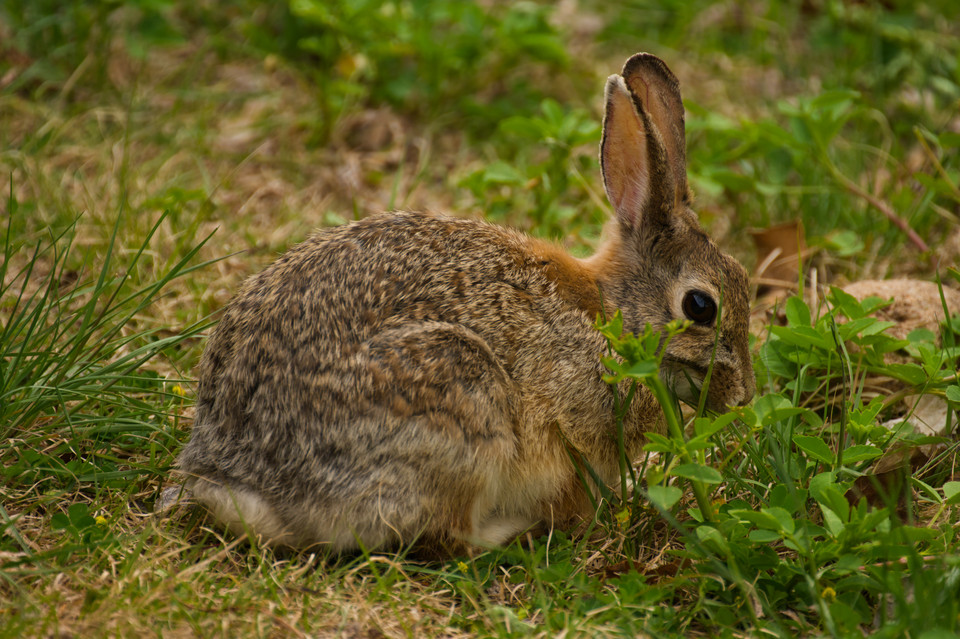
(154,153)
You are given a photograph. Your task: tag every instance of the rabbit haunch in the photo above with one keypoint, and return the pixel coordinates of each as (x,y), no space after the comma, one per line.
(418,377)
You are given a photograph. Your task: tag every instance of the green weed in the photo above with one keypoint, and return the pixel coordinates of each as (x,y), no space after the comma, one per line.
(418,55)
(70,43)
(779,526)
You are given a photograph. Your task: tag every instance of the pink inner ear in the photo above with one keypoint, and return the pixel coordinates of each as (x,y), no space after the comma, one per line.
(626,169)
(634,192)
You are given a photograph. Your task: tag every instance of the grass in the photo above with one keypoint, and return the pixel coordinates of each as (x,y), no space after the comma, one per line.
(156,153)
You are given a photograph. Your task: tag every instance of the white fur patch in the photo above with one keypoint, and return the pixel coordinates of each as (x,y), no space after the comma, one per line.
(241,511)
(496,531)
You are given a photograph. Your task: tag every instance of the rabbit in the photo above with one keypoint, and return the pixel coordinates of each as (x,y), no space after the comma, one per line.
(412,379)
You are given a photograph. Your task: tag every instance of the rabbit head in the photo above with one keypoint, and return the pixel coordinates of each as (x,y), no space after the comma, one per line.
(657,264)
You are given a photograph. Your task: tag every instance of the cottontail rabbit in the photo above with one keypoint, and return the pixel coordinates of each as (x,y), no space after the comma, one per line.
(418,377)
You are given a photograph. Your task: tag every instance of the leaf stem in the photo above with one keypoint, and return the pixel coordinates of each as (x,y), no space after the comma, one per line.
(674,428)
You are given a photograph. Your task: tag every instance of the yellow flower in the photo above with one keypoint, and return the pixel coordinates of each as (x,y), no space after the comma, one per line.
(178,390)
(462,566)
(101,520)
(829,594)
(623,516)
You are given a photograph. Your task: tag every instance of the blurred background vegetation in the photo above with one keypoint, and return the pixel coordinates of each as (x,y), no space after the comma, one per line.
(795,110)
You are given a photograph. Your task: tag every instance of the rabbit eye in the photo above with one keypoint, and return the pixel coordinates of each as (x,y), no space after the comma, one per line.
(699,307)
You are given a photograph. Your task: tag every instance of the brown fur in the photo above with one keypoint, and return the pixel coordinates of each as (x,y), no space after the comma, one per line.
(413,376)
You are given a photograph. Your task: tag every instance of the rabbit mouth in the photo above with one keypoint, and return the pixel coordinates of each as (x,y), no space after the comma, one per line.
(684,378)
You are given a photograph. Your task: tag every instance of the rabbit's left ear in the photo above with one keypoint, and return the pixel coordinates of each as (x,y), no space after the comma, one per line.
(633,160)
(655,86)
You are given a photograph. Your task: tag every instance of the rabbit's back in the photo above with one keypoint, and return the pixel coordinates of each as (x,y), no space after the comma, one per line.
(304,320)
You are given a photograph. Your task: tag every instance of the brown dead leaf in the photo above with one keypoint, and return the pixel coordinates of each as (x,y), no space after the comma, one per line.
(779,249)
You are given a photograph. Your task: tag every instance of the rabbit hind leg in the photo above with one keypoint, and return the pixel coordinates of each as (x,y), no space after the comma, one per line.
(452,407)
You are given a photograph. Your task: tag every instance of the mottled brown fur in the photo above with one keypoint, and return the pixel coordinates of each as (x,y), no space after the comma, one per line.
(414,376)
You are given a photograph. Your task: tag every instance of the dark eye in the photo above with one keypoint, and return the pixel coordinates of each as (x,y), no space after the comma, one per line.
(699,307)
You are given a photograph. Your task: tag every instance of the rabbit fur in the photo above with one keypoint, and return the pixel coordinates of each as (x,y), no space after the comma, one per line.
(421,378)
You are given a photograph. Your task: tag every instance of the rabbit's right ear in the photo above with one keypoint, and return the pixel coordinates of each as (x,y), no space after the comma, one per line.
(649,78)
(642,154)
